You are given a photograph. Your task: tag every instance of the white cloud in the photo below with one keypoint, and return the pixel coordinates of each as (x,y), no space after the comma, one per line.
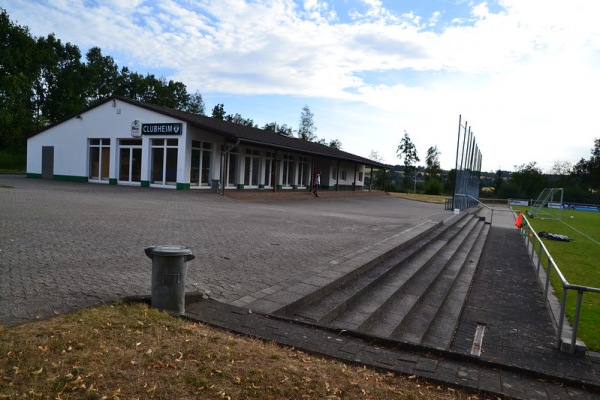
(521,70)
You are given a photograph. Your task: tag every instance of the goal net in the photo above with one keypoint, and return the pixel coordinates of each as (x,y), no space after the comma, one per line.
(548,205)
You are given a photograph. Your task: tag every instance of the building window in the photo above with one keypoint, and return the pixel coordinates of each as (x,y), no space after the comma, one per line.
(251,167)
(269,168)
(288,171)
(164,161)
(200,172)
(343,175)
(360,176)
(303,171)
(334,174)
(130,160)
(99,159)
(232,168)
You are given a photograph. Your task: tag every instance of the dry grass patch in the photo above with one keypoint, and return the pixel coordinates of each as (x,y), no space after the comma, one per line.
(136,352)
(427,198)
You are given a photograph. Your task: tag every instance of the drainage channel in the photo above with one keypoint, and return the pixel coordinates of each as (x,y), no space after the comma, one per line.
(478,340)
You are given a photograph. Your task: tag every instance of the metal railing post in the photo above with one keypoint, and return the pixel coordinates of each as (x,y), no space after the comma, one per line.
(539,261)
(576,321)
(561,318)
(547,284)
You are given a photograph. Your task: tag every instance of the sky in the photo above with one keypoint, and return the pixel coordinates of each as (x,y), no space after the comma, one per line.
(522,75)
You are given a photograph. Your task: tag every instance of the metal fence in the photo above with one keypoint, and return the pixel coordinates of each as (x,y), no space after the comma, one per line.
(566,336)
(541,257)
(468,168)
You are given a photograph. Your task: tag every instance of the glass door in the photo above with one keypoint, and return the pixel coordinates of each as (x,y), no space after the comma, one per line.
(164,162)
(130,161)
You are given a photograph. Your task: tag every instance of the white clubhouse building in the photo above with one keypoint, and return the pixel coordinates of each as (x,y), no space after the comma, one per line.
(127,142)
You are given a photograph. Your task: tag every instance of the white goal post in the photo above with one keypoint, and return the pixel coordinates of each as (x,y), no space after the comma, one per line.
(548,205)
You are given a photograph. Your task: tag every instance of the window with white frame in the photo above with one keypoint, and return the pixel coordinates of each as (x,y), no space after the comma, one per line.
(99,150)
(251,167)
(269,168)
(288,171)
(303,171)
(200,168)
(232,167)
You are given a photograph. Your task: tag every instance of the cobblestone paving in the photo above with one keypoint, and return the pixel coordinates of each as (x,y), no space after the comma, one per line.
(66,245)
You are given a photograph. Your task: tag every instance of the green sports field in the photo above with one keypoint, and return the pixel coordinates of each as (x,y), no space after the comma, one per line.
(579,261)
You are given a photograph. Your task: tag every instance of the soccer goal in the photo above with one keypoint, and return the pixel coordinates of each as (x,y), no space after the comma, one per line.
(548,205)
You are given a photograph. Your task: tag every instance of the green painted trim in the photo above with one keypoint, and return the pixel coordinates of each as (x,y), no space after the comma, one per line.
(183,186)
(34,176)
(295,187)
(145,183)
(112,181)
(261,186)
(240,186)
(70,178)
(279,187)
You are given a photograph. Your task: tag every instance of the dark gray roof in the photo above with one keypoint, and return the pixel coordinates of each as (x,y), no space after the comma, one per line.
(249,135)
(245,134)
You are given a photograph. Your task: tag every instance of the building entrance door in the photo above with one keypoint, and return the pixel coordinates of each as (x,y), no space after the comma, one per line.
(47,162)
(130,161)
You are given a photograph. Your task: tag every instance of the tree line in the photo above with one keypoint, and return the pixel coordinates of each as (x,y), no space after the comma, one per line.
(580,181)
(44,80)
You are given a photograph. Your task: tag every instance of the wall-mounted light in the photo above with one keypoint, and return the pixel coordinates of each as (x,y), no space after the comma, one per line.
(78,117)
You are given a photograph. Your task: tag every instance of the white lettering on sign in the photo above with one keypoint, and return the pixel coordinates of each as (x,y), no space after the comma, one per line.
(162,129)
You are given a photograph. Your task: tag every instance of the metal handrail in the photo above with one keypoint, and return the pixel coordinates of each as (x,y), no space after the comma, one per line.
(484,205)
(529,234)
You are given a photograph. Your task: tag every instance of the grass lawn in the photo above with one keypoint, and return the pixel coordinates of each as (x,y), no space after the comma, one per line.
(578,261)
(132,351)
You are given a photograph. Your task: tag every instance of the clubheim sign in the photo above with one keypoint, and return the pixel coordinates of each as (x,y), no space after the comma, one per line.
(175,128)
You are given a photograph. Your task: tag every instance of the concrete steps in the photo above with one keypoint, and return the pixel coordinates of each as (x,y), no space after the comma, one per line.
(413,295)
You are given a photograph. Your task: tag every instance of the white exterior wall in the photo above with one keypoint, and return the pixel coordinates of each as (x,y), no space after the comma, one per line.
(70,140)
(113,120)
(351,169)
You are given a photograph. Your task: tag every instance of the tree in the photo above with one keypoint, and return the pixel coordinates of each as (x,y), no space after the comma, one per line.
(589,171)
(281,129)
(432,163)
(529,179)
(335,144)
(58,88)
(562,168)
(43,80)
(102,75)
(307,128)
(195,104)
(498,182)
(433,179)
(19,67)
(218,112)
(238,119)
(374,155)
(407,151)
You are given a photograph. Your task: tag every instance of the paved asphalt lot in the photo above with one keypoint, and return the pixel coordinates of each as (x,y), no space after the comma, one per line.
(67,245)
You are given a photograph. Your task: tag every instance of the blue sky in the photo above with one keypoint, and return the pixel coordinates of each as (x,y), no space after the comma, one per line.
(524,74)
